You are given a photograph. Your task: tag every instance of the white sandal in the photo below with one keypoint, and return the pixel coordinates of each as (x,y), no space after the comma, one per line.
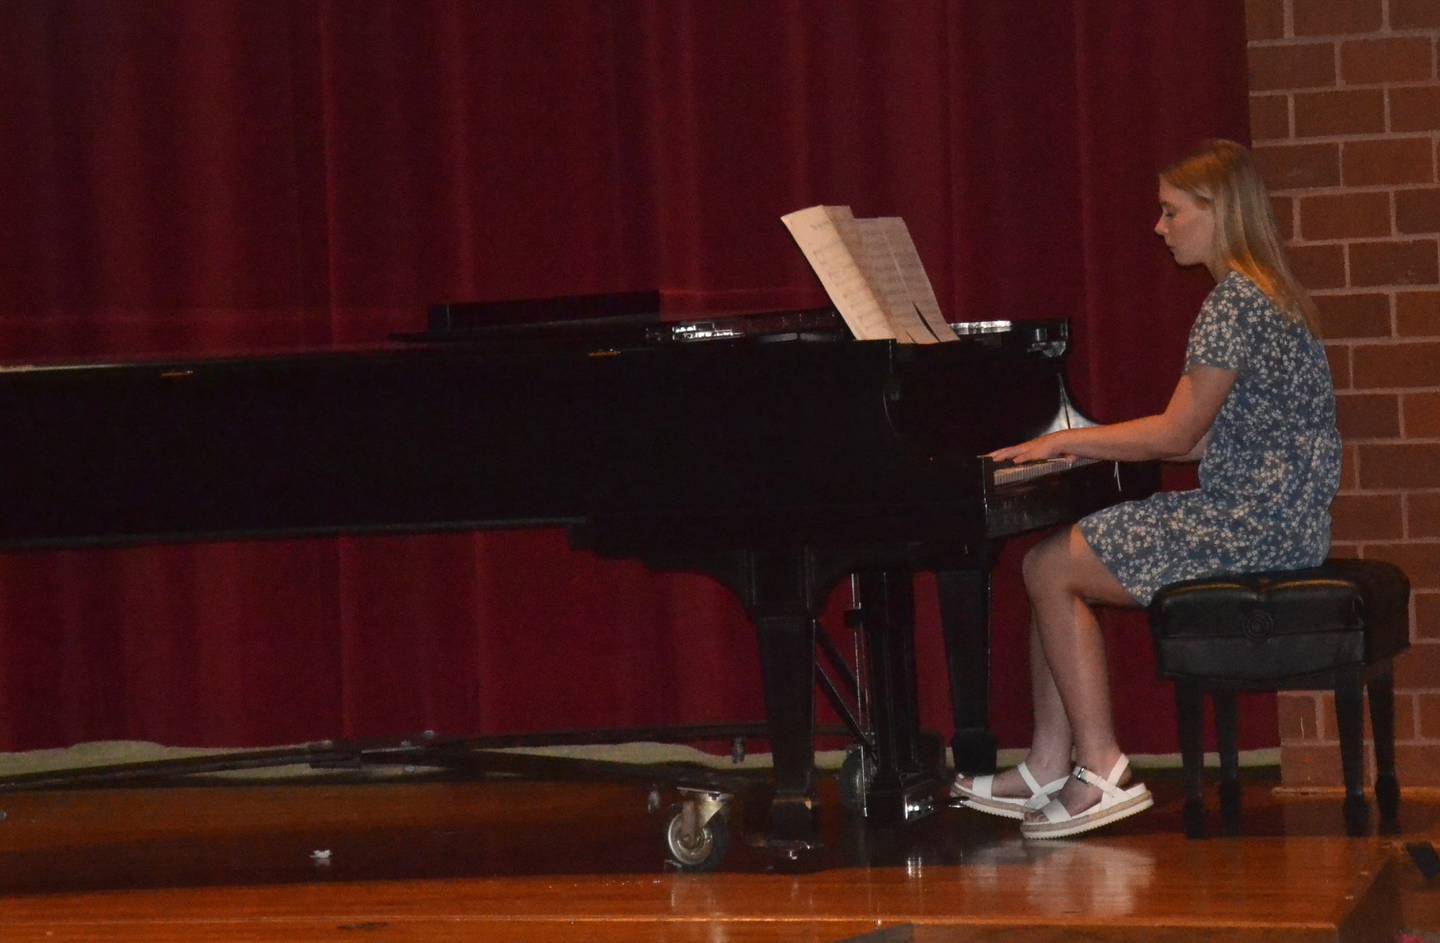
(980,798)
(1115,804)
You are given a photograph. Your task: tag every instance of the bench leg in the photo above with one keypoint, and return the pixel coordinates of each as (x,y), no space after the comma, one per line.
(1189,708)
(1381,689)
(1227,723)
(1349,712)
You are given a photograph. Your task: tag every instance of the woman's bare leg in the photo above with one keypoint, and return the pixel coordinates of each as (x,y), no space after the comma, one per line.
(1052,741)
(1048,758)
(1063,577)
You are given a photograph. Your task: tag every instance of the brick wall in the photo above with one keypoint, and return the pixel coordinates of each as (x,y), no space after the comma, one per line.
(1345,117)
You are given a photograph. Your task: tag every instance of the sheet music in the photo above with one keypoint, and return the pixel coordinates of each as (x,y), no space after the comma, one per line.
(815,231)
(920,292)
(872,272)
(870,245)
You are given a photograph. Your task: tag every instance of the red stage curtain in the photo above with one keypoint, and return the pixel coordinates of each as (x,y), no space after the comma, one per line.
(217,175)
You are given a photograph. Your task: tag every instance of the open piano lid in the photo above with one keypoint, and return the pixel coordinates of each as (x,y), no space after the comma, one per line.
(634,319)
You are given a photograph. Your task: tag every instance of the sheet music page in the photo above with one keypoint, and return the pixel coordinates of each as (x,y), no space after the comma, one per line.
(917,284)
(869,243)
(815,231)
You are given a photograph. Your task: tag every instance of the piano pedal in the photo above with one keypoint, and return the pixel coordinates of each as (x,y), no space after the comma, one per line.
(919,803)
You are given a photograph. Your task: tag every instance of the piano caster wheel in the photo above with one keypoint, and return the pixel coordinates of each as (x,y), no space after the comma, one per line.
(698,849)
(855,775)
(702,851)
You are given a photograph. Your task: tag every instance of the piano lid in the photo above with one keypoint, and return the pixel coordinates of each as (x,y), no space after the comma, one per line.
(617,321)
(454,317)
(633,319)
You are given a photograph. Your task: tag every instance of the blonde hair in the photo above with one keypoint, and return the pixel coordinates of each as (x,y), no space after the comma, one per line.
(1222,176)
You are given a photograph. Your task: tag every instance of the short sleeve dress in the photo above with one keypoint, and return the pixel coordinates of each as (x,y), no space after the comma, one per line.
(1269,473)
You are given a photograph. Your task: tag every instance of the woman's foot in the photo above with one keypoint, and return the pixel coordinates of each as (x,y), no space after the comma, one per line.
(1010,794)
(1088,801)
(1076,796)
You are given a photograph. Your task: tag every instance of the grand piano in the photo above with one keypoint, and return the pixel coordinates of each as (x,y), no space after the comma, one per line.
(771,452)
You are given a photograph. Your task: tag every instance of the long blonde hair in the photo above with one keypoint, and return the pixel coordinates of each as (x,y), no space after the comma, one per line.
(1222,176)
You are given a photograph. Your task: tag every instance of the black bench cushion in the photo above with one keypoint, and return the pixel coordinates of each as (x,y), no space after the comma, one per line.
(1269,626)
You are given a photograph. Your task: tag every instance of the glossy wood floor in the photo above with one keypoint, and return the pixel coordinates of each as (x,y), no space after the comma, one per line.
(440,859)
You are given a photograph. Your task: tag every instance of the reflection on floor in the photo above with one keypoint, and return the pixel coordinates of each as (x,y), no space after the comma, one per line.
(426,858)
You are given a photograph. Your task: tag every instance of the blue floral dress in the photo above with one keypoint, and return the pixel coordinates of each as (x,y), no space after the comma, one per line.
(1269,473)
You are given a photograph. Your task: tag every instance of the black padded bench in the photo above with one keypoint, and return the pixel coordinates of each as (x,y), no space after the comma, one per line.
(1336,626)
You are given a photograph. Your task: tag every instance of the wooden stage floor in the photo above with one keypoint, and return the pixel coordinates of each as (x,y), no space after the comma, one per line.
(421,860)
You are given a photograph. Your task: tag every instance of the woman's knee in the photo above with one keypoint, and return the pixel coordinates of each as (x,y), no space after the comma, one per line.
(1044,564)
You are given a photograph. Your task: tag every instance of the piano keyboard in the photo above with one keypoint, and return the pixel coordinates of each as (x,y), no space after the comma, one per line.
(1014,474)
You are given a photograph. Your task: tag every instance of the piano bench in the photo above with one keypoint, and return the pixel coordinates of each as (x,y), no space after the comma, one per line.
(1332,627)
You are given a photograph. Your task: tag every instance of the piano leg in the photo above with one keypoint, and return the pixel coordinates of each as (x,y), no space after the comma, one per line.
(903,789)
(965,624)
(787,666)
(781,589)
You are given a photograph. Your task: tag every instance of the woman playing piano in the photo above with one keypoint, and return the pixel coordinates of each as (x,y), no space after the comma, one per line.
(1255,407)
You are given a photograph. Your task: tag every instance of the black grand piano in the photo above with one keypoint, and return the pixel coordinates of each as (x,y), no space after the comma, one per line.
(770,452)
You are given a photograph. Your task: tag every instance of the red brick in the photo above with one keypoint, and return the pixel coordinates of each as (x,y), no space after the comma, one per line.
(1419,667)
(1368,416)
(1416,262)
(1319,266)
(1326,17)
(1269,117)
(1264,19)
(1407,712)
(1427,711)
(1361,517)
(1340,372)
(1414,14)
(1401,465)
(1353,315)
(1427,616)
(1424,710)
(1407,59)
(1310,65)
(1312,764)
(1345,215)
(1351,111)
(1299,718)
(1417,313)
(1349,471)
(1416,764)
(1421,562)
(1387,366)
(1283,209)
(1422,514)
(1417,210)
(1389,161)
(1421,412)
(1415,109)
(1297,166)
(1325,709)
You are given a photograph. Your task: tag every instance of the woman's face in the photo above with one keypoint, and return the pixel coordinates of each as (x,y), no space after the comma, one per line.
(1187,226)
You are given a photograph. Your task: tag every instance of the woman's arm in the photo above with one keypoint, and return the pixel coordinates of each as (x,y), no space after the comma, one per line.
(1175,434)
(1198,452)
